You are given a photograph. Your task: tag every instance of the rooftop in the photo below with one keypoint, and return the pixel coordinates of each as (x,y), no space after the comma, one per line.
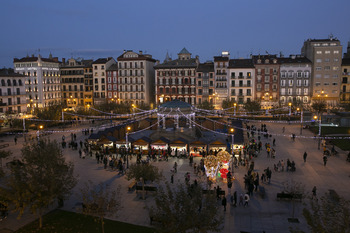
(241,63)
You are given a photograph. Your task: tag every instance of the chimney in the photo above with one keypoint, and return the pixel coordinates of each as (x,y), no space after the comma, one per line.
(63,60)
(140,52)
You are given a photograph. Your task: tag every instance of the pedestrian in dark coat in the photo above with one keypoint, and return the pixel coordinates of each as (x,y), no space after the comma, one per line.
(305,155)
(224,202)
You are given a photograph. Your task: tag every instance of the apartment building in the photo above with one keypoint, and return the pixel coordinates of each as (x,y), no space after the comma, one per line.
(295,80)
(205,82)
(221,82)
(136,78)
(99,68)
(267,80)
(88,84)
(12,92)
(73,82)
(43,82)
(241,82)
(326,57)
(176,79)
(345,83)
(112,83)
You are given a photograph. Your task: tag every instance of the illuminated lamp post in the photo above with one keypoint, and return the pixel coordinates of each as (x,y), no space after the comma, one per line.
(127,145)
(319,130)
(290,108)
(234,109)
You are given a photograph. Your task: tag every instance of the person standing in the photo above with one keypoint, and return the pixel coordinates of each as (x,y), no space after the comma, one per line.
(235,199)
(172,178)
(305,156)
(224,203)
(15,140)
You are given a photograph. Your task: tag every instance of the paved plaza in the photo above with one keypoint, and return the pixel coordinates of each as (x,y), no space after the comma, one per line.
(262,215)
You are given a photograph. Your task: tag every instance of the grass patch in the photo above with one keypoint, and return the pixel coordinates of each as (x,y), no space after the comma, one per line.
(60,221)
(327,130)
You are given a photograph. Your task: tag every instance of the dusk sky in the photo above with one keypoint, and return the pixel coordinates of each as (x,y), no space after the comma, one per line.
(93,29)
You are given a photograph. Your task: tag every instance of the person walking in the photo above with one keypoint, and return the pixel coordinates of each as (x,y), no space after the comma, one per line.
(246,200)
(241,199)
(314,193)
(15,140)
(325,160)
(172,178)
(305,156)
(224,202)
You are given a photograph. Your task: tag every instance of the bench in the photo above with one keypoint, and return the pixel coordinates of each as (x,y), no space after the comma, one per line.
(212,191)
(4,145)
(146,188)
(289,196)
(132,185)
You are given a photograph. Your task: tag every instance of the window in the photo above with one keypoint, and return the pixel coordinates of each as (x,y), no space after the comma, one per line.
(327,60)
(318,76)
(318,68)
(267,87)
(327,68)
(318,60)
(326,84)
(317,84)
(306,83)
(336,52)
(283,83)
(335,68)
(290,91)
(327,52)
(335,84)
(318,52)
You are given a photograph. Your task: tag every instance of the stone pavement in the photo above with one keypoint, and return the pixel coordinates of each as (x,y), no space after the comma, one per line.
(263,215)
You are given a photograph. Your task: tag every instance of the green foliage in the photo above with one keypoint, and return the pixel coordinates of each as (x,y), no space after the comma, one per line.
(185,209)
(3,155)
(143,172)
(228,104)
(41,178)
(113,107)
(100,201)
(52,112)
(70,222)
(330,213)
(252,106)
(206,105)
(319,106)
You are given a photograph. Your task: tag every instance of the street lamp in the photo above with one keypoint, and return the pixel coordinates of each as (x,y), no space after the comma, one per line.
(301,120)
(319,130)
(232,138)
(127,145)
(290,108)
(234,109)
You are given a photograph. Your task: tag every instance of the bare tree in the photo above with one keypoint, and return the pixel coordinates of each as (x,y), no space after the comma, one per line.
(100,201)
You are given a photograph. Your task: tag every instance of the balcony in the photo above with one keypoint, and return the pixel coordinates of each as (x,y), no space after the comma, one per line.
(240,77)
(221,73)
(346,73)
(221,87)
(221,80)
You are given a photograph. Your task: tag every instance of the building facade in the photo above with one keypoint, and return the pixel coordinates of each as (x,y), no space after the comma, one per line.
(295,80)
(12,92)
(326,57)
(221,82)
(88,84)
(112,83)
(345,83)
(242,77)
(205,82)
(267,80)
(136,78)
(43,82)
(73,82)
(176,79)
(99,68)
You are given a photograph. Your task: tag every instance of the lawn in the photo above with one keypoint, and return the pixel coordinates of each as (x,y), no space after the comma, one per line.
(68,222)
(326,130)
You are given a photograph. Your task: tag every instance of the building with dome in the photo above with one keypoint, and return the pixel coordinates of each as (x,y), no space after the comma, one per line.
(175,79)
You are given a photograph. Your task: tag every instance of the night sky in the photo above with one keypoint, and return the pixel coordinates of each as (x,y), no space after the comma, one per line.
(93,29)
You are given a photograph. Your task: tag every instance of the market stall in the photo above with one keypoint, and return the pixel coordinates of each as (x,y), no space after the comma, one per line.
(141,145)
(198,147)
(160,144)
(217,145)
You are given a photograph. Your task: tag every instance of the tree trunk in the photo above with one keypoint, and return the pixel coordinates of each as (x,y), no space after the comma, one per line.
(40,221)
(103,225)
(143,189)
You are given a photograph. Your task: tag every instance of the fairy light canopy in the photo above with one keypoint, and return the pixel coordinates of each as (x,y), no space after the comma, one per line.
(176,109)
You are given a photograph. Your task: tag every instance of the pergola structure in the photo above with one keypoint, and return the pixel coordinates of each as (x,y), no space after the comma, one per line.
(175,109)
